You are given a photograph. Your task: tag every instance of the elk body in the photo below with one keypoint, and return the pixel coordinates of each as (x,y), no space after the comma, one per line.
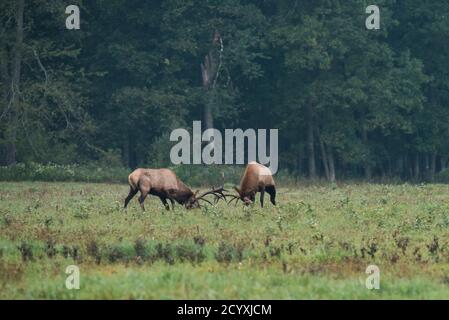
(256,178)
(164,184)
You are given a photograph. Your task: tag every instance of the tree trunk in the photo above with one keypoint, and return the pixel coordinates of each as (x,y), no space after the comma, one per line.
(331,165)
(299,163)
(389,167)
(323,153)
(443,161)
(4,73)
(416,167)
(11,136)
(210,70)
(433,165)
(126,154)
(400,167)
(207,112)
(367,164)
(426,167)
(310,142)
(368,171)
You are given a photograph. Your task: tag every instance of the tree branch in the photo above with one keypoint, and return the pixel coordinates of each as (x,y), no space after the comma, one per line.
(41,66)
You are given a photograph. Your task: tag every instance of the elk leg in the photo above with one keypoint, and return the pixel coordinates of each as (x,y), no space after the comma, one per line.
(172,204)
(132,193)
(143,195)
(272,191)
(262,193)
(164,201)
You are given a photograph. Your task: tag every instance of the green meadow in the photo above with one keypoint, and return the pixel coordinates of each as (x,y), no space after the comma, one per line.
(315,244)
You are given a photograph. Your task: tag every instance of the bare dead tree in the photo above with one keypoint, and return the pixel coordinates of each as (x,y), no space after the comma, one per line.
(210,71)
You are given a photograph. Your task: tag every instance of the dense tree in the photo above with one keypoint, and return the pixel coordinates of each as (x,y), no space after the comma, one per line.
(349,102)
(43,85)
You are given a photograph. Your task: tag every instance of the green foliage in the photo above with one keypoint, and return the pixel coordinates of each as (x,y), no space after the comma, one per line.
(111,93)
(229,253)
(211,175)
(54,172)
(443,176)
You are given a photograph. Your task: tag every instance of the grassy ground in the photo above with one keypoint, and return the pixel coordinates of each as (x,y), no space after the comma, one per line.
(317,243)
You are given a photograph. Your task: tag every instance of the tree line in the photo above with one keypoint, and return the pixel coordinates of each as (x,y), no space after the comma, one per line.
(348,102)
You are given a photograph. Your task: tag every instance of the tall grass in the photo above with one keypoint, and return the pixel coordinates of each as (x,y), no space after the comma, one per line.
(315,243)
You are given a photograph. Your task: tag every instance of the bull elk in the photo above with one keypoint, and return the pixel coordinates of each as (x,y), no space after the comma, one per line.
(164,184)
(256,178)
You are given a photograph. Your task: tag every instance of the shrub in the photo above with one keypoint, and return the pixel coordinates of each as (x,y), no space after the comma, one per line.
(443,176)
(26,252)
(54,172)
(94,251)
(108,170)
(229,253)
(122,252)
(208,175)
(165,252)
(190,251)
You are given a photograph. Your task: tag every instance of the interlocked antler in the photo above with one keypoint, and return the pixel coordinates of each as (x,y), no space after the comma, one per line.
(234,197)
(217,192)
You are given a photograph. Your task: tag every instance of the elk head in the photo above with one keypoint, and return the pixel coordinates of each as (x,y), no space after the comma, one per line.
(247,199)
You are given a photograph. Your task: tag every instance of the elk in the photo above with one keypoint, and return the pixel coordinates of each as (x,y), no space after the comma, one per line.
(164,184)
(256,178)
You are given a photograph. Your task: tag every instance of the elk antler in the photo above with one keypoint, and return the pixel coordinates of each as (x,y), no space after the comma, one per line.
(234,197)
(205,200)
(217,192)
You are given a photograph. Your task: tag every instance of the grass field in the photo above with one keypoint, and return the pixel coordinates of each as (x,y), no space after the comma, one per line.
(316,244)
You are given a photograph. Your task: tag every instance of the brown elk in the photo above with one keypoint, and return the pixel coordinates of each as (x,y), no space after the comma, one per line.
(256,178)
(164,184)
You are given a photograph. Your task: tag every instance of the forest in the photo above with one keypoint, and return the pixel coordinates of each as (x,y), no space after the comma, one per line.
(349,103)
